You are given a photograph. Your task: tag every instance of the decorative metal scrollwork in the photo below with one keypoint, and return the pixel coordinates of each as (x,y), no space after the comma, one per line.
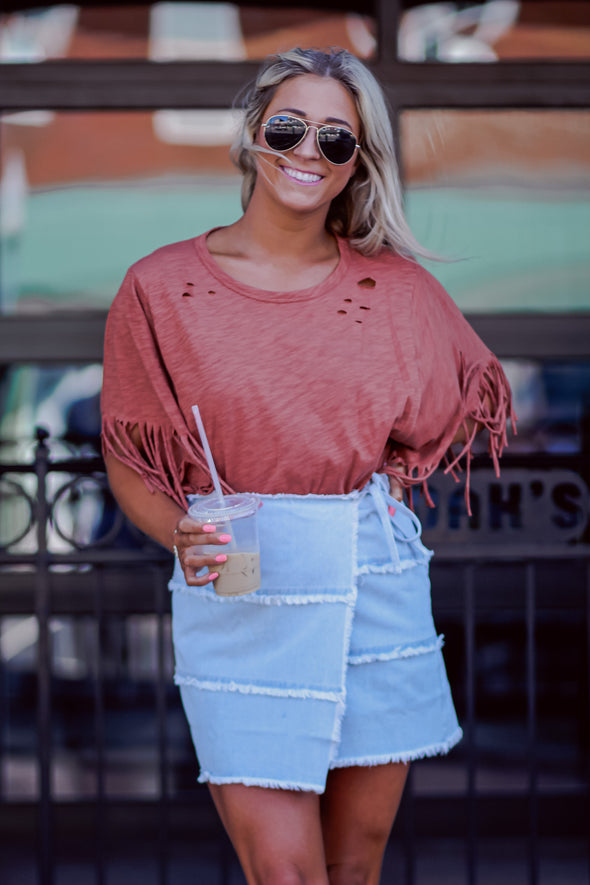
(84,513)
(67,502)
(17,512)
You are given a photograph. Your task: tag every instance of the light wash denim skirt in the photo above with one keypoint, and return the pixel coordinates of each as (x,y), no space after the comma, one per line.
(335,660)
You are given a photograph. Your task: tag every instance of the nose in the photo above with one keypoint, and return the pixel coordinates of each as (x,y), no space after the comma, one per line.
(309,146)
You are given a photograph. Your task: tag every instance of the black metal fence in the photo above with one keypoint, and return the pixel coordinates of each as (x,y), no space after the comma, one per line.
(97,772)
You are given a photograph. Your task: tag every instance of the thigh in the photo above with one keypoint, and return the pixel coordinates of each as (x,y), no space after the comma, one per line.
(277,834)
(358,810)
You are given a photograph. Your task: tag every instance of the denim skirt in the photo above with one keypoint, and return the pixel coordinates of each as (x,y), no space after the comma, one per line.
(333,662)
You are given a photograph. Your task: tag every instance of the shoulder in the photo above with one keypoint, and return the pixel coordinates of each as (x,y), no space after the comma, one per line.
(398,275)
(430,297)
(169,262)
(384,271)
(151,282)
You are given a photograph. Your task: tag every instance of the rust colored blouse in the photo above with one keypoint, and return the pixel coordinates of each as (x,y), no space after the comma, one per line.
(307,392)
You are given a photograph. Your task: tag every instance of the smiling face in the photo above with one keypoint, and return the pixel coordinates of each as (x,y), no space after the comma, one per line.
(301,179)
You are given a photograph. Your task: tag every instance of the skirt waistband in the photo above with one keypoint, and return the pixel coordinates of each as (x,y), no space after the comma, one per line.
(400,525)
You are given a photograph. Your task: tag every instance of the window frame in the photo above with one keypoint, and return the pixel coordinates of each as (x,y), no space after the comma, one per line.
(146,85)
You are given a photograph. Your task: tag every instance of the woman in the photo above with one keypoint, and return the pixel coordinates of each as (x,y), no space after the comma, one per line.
(324,359)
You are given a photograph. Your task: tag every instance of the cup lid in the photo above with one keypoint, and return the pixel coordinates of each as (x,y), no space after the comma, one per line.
(210,509)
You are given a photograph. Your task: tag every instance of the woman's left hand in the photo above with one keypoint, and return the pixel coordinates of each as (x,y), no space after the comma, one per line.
(395,489)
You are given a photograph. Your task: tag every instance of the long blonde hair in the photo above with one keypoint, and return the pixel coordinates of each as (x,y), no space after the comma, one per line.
(369,211)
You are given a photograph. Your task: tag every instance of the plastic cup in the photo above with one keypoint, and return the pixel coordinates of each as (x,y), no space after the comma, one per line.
(236,515)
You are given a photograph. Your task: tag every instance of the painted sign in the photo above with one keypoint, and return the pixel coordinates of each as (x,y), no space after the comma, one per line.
(521,506)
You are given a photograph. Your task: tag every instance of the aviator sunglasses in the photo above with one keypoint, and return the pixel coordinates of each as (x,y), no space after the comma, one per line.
(282,132)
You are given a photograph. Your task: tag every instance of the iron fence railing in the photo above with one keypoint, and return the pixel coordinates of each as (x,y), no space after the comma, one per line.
(96,765)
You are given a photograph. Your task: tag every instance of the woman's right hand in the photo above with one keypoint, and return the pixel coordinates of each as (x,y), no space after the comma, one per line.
(188,537)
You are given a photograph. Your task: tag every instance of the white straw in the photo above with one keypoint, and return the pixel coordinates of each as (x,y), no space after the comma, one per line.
(208,455)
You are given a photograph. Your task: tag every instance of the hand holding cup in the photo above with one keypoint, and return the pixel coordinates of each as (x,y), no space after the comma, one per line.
(190,537)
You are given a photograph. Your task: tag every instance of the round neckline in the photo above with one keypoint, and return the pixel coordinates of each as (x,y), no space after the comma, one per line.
(278,295)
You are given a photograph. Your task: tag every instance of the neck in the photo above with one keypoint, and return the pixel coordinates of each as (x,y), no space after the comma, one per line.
(282,233)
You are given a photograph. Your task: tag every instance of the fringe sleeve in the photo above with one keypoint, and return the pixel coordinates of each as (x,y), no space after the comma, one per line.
(459,384)
(165,461)
(138,393)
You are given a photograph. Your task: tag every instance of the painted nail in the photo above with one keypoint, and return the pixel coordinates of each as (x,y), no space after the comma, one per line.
(213,575)
(208,528)
(225,538)
(391,510)
(221,558)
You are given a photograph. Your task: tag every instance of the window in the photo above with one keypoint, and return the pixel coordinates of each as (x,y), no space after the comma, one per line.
(507,194)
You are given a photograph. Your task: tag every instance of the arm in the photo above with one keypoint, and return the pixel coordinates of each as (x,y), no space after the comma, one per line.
(153,512)
(163,520)
(461,436)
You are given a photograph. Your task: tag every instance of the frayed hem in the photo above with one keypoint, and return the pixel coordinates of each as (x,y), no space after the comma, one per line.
(408,756)
(290,496)
(269,690)
(398,653)
(267,783)
(388,568)
(346,640)
(258,598)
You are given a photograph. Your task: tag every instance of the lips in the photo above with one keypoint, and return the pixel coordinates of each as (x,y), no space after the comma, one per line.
(300,176)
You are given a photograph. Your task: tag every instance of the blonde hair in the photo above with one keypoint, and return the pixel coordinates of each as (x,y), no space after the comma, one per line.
(369,211)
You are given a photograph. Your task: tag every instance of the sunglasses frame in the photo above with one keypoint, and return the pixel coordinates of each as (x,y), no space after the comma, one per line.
(310,124)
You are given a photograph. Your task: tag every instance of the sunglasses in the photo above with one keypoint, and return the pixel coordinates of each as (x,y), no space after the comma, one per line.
(282,132)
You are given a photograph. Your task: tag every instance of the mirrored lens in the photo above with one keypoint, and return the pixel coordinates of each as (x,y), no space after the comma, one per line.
(337,145)
(283,133)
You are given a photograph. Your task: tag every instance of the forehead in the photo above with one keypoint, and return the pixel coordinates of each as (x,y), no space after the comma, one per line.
(315,98)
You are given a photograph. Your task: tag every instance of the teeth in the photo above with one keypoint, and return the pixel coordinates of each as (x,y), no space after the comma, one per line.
(302,176)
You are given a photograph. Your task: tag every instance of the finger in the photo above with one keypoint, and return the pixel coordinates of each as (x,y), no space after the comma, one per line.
(189,531)
(188,524)
(396,489)
(194,580)
(184,540)
(195,560)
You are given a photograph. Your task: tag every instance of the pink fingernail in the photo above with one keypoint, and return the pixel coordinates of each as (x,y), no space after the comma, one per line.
(213,575)
(221,558)
(208,528)
(225,538)
(391,510)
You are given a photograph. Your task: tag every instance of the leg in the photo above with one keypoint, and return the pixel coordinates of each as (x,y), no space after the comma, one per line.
(277,834)
(358,810)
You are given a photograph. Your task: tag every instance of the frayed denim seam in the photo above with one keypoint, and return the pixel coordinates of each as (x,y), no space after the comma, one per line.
(388,568)
(289,496)
(351,496)
(398,653)
(268,690)
(346,639)
(205,778)
(408,756)
(259,598)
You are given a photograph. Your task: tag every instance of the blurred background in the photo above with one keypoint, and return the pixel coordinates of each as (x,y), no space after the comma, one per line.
(115,126)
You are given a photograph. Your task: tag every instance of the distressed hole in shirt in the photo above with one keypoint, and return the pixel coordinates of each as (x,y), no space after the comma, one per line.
(367,283)
(190,284)
(185,294)
(362,307)
(211,292)
(360,322)
(342,311)
(348,300)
